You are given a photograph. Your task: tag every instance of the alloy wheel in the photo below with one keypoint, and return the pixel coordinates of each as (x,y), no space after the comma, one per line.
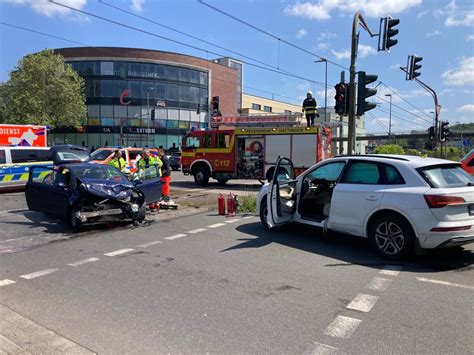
(389,238)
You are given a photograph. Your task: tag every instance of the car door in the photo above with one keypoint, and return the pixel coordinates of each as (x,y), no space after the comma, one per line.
(39,188)
(282,196)
(359,191)
(149,182)
(60,193)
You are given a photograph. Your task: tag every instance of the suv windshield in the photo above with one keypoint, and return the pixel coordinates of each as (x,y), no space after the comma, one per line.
(100,172)
(441,176)
(101,154)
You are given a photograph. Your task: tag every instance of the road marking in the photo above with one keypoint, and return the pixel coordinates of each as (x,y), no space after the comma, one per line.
(247,217)
(38,274)
(146,245)
(216,225)
(392,270)
(194,231)
(319,349)
(446,283)
(85,261)
(342,327)
(379,284)
(119,252)
(362,302)
(176,236)
(6,282)
(232,220)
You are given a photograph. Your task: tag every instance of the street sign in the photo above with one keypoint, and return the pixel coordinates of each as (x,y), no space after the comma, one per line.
(466,142)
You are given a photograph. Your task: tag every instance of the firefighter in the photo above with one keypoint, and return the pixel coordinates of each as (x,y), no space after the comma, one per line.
(165,176)
(145,161)
(116,160)
(310,108)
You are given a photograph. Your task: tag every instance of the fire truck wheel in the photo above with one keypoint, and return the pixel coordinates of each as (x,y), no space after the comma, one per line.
(222,181)
(201,177)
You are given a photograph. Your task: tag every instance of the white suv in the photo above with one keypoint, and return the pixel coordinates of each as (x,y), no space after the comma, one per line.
(395,201)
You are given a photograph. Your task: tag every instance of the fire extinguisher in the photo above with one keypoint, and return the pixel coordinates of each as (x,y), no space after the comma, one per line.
(221,205)
(230,205)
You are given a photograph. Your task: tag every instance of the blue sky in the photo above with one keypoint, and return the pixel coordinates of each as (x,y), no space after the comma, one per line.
(440,31)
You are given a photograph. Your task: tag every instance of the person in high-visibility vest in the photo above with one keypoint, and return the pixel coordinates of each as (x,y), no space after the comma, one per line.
(116,160)
(147,160)
(310,108)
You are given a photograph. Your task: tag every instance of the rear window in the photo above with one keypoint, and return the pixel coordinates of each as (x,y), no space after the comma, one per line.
(24,155)
(3,158)
(442,176)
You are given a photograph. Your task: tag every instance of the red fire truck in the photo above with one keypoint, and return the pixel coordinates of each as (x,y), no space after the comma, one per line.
(250,152)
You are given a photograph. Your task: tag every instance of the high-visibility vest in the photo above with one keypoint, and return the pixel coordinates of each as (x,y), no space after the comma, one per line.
(310,106)
(143,163)
(118,163)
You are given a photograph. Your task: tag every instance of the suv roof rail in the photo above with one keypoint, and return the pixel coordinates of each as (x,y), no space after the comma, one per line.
(374,156)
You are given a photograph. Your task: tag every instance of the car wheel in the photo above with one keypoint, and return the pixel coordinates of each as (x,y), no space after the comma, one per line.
(73,221)
(222,181)
(264,213)
(392,237)
(201,177)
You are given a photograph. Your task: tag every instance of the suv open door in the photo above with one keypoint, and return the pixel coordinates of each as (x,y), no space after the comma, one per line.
(282,197)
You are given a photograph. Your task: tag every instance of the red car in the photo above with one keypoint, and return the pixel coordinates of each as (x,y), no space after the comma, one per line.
(468,162)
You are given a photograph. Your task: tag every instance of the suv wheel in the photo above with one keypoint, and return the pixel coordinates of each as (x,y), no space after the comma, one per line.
(264,213)
(392,237)
(201,177)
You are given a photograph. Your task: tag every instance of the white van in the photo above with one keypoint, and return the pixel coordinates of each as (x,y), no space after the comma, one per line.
(15,163)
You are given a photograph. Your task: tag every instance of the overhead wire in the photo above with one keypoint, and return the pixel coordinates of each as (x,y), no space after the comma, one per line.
(401,108)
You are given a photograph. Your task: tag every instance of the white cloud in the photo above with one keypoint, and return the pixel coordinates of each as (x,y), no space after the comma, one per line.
(322,9)
(322,46)
(395,66)
(301,33)
(326,36)
(422,14)
(137,5)
(365,50)
(433,33)
(44,7)
(343,54)
(466,108)
(461,75)
(455,16)
(470,37)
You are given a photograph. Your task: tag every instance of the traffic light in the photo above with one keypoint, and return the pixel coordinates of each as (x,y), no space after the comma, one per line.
(340,98)
(363,92)
(215,106)
(412,66)
(431,133)
(388,23)
(152,114)
(444,131)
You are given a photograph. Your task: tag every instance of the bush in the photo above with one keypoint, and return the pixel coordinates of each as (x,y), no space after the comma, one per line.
(248,204)
(389,149)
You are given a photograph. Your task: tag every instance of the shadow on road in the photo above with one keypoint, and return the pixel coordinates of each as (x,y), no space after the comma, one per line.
(350,250)
(214,185)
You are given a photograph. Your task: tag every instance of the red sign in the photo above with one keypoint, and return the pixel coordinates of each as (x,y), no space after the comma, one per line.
(123,95)
(23,135)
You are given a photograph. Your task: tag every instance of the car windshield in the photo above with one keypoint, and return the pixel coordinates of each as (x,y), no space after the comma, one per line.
(442,176)
(101,154)
(99,172)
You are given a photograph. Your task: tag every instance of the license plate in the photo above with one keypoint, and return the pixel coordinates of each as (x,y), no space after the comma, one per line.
(471,210)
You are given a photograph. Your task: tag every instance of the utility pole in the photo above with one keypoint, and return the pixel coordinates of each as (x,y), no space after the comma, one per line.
(390,121)
(325,61)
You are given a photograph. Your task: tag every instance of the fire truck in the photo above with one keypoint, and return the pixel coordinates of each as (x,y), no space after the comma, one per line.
(248,147)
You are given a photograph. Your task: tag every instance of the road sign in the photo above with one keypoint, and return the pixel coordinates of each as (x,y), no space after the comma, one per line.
(466,142)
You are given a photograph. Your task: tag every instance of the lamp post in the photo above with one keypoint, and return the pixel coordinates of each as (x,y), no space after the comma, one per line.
(148,113)
(390,120)
(321,60)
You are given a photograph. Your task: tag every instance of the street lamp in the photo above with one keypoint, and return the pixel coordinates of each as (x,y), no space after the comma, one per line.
(148,113)
(324,60)
(390,120)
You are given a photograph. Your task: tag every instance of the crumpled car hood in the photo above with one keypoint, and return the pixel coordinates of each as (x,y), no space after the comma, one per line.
(107,189)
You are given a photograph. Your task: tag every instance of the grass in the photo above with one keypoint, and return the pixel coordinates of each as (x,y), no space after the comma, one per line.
(248,204)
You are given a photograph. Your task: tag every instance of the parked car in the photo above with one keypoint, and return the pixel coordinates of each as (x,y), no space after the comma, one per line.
(85,193)
(397,202)
(468,162)
(175,160)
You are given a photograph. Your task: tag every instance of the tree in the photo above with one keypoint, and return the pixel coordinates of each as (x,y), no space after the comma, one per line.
(389,149)
(43,90)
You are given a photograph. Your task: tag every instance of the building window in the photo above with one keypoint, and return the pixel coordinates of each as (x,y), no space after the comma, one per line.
(256,107)
(267,108)
(287,112)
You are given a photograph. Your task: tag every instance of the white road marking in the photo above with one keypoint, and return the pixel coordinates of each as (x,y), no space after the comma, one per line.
(232,220)
(146,245)
(342,327)
(176,236)
(119,252)
(38,274)
(216,225)
(85,261)
(319,349)
(247,217)
(379,284)
(362,302)
(446,283)
(392,270)
(194,231)
(6,282)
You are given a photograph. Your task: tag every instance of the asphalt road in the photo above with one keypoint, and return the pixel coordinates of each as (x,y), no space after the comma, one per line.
(202,283)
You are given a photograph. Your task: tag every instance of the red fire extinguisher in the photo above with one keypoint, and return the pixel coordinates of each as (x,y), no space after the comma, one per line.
(221,205)
(230,205)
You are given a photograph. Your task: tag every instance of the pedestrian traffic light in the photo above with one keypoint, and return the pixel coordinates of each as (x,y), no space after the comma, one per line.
(340,98)
(412,67)
(431,133)
(215,106)
(152,114)
(444,131)
(387,24)
(363,92)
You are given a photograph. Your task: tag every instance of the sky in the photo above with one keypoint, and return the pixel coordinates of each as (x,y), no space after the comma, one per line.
(440,31)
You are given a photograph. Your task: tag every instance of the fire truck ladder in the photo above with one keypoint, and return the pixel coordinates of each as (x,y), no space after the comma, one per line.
(289,120)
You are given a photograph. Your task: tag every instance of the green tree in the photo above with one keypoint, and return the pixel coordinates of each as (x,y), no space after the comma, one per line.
(43,90)
(389,149)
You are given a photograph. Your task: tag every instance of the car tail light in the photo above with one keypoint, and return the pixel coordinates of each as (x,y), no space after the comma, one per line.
(450,229)
(440,201)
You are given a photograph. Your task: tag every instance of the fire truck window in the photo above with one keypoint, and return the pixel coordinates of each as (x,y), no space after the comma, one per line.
(222,140)
(207,141)
(192,142)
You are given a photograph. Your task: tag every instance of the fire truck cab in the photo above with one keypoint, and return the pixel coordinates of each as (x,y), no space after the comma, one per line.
(251,152)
